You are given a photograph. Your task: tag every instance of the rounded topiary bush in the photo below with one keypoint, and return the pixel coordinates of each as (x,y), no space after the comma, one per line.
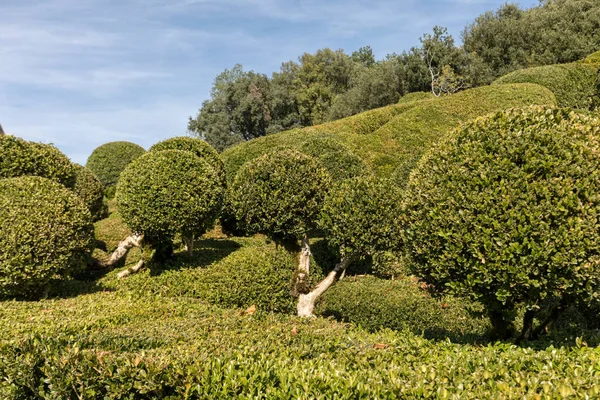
(336,158)
(197,146)
(279,194)
(506,211)
(46,232)
(89,189)
(168,192)
(19,157)
(109,160)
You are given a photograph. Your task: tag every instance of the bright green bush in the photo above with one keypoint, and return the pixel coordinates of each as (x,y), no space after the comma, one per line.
(415,96)
(336,158)
(89,189)
(400,304)
(46,232)
(19,157)
(280,194)
(167,192)
(506,211)
(572,84)
(197,146)
(592,59)
(109,160)
(361,216)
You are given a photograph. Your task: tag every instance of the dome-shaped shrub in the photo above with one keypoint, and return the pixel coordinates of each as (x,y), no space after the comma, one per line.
(506,211)
(197,146)
(89,189)
(109,160)
(46,232)
(168,192)
(362,215)
(19,157)
(280,194)
(336,158)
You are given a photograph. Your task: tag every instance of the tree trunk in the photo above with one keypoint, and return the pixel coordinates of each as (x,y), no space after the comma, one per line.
(501,329)
(306,302)
(545,326)
(123,248)
(131,270)
(527,330)
(189,244)
(299,284)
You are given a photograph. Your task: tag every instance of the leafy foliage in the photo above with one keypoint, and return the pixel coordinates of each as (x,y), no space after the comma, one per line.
(19,157)
(572,84)
(593,59)
(167,192)
(336,158)
(506,211)
(280,194)
(361,216)
(46,233)
(89,189)
(109,160)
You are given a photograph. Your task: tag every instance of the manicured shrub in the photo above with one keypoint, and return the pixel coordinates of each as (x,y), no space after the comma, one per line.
(19,157)
(592,59)
(109,160)
(374,304)
(362,216)
(416,96)
(572,84)
(506,211)
(280,194)
(46,232)
(336,158)
(197,146)
(167,192)
(89,189)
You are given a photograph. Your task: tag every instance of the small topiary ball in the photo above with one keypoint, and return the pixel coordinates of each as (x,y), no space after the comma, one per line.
(336,158)
(109,160)
(19,157)
(89,189)
(507,210)
(280,194)
(168,192)
(46,232)
(197,146)
(361,216)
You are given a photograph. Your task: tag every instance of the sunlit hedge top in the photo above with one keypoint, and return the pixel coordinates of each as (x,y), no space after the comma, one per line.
(507,210)
(280,194)
(110,159)
(336,158)
(167,192)
(46,232)
(19,157)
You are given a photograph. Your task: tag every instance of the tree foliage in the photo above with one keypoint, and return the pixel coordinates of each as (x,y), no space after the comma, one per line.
(109,160)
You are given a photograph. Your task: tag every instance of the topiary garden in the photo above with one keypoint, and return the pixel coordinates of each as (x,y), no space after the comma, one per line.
(109,160)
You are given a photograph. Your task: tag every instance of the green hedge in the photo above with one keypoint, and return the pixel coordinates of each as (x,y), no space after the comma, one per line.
(335,157)
(375,304)
(19,157)
(109,160)
(592,59)
(89,189)
(572,84)
(46,233)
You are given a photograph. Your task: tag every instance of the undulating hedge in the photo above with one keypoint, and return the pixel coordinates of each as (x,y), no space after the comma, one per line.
(19,157)
(572,84)
(109,160)
(506,211)
(592,59)
(280,194)
(336,158)
(415,96)
(167,192)
(89,189)
(46,233)
(400,304)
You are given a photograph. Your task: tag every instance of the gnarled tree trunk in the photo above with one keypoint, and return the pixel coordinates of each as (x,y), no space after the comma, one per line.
(189,244)
(123,248)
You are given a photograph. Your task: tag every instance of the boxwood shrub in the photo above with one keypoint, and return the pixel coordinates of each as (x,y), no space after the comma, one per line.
(46,232)
(506,211)
(280,194)
(592,59)
(109,160)
(19,157)
(167,192)
(89,189)
(336,158)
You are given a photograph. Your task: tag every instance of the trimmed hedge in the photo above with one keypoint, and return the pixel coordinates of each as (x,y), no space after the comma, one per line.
(572,84)
(336,158)
(89,189)
(506,211)
(167,192)
(46,233)
(592,59)
(375,304)
(415,96)
(109,160)
(19,157)
(280,194)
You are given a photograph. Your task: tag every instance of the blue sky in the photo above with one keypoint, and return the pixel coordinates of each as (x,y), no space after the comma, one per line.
(80,73)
